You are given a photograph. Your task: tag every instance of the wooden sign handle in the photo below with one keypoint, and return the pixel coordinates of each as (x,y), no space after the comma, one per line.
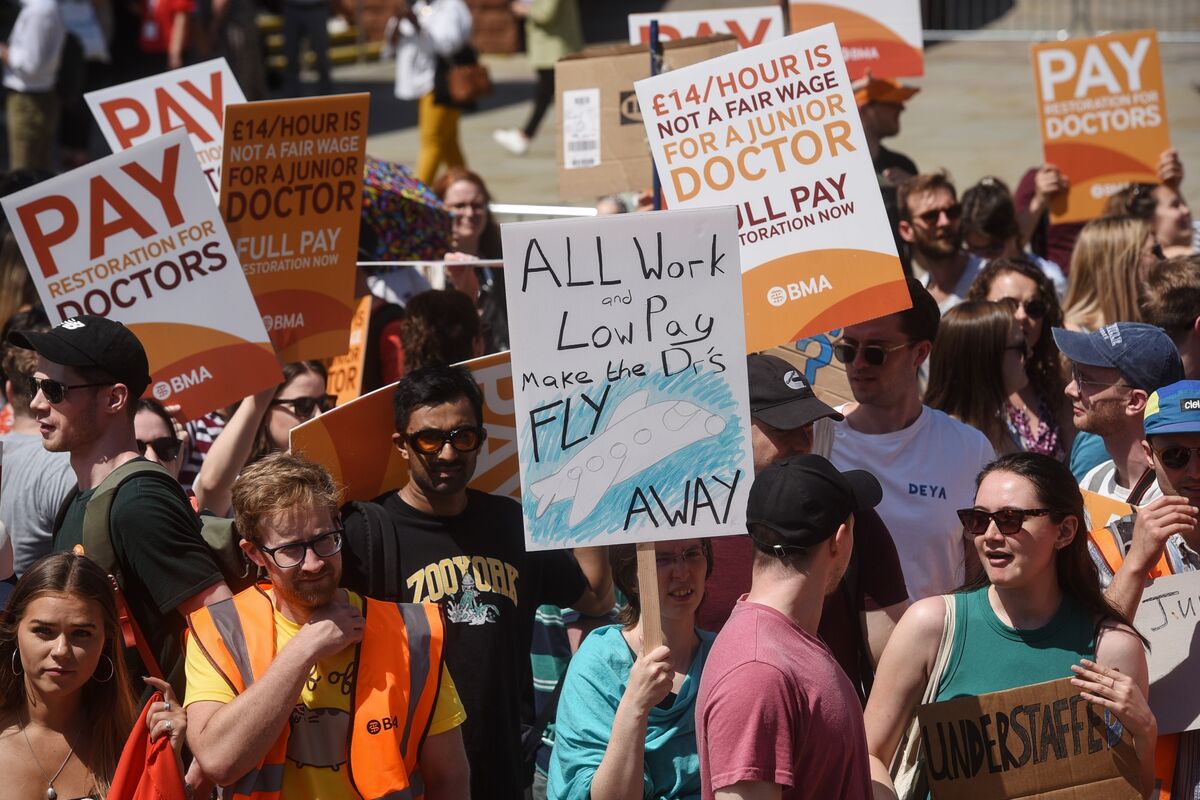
(651,619)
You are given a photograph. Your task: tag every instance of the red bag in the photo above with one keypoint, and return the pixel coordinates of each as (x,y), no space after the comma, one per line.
(147,771)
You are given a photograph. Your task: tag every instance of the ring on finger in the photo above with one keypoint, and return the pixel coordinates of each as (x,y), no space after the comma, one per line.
(169,726)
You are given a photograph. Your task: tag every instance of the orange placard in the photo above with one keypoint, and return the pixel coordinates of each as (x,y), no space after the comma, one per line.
(883,36)
(1103,116)
(354,441)
(291,196)
(346,370)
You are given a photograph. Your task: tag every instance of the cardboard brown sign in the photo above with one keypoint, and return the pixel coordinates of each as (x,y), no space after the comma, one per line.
(1042,740)
(813,356)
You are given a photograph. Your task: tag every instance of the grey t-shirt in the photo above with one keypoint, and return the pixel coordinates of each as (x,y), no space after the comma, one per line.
(34,484)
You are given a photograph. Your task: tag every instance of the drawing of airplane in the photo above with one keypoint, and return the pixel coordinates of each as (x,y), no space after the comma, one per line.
(636,438)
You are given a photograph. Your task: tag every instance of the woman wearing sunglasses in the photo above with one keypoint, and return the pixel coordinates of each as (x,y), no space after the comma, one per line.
(626,719)
(1035,613)
(261,424)
(157,438)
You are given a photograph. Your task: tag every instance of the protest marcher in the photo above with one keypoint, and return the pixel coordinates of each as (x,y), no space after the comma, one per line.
(1163,209)
(260,425)
(990,230)
(1171,300)
(233,35)
(1113,372)
(880,103)
(440,326)
(425,35)
(930,222)
(34,481)
(857,619)
(491,586)
(776,716)
(66,705)
(924,458)
(159,437)
(306,20)
(1111,257)
(626,720)
(90,373)
(164,34)
(1035,613)
(31,57)
(272,707)
(552,31)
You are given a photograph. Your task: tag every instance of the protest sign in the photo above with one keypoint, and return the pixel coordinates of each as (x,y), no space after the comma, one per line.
(135,237)
(1042,740)
(1103,116)
(192,98)
(291,195)
(1102,510)
(346,370)
(774,131)
(883,36)
(1167,617)
(629,377)
(813,356)
(751,26)
(354,441)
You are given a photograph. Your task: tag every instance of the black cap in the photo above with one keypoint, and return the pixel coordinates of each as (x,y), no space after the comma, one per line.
(96,342)
(780,396)
(805,498)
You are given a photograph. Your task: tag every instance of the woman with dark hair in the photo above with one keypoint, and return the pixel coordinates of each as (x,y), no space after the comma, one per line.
(441,327)
(159,438)
(1035,613)
(66,707)
(626,718)
(990,230)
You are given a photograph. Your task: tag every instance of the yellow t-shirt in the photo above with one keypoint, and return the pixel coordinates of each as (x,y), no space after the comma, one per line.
(316,751)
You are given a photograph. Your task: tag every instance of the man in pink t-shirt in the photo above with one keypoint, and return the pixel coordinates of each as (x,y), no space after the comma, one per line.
(776,716)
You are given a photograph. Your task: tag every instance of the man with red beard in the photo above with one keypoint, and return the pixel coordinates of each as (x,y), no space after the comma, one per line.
(929,222)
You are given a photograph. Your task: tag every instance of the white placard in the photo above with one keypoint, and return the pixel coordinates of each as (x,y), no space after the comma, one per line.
(751,26)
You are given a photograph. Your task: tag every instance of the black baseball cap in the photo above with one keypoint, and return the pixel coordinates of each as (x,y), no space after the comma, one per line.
(804,499)
(96,342)
(780,396)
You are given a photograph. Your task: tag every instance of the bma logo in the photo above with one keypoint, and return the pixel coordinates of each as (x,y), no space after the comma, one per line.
(1190,404)
(778,295)
(186,380)
(631,112)
(283,321)
(386,724)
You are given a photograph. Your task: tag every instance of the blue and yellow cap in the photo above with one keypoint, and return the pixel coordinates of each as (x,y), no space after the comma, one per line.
(1174,409)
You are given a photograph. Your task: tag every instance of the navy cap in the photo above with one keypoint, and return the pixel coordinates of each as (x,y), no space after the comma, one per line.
(1144,354)
(805,498)
(780,396)
(1173,409)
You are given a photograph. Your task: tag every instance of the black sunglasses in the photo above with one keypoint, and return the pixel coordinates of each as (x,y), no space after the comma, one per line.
(1177,456)
(165,447)
(846,351)
(430,441)
(292,554)
(1008,520)
(1034,308)
(931,217)
(55,391)
(303,407)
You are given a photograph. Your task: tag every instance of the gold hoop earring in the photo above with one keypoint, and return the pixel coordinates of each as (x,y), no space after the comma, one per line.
(112,670)
(16,653)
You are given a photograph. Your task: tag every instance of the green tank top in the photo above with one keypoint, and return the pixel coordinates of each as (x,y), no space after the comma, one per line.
(989,656)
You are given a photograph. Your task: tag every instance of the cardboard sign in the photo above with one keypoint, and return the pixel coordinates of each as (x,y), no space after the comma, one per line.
(1103,116)
(192,98)
(631,396)
(883,36)
(354,441)
(291,195)
(601,143)
(1167,617)
(346,370)
(135,237)
(1043,740)
(751,26)
(774,130)
(813,356)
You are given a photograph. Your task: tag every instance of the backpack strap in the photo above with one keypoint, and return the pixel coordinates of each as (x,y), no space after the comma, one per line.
(1139,489)
(97,525)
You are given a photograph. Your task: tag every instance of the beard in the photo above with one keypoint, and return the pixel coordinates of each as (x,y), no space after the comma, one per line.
(936,249)
(312,592)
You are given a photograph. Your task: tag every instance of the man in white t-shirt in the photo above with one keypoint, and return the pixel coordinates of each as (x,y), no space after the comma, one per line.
(1114,371)
(929,221)
(925,460)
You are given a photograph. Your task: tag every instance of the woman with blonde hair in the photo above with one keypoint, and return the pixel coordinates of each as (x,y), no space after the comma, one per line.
(1111,256)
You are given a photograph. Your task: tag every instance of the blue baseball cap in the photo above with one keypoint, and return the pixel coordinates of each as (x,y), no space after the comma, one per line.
(1174,409)
(1143,354)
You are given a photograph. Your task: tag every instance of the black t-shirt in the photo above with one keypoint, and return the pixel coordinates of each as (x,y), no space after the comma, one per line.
(476,567)
(162,559)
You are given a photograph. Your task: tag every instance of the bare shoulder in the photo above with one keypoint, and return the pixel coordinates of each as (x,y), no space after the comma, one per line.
(926,617)
(1118,640)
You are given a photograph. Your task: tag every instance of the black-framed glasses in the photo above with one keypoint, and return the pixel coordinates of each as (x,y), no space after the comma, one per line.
(693,556)
(56,391)
(292,554)
(303,407)
(1177,456)
(1008,520)
(933,215)
(846,350)
(165,447)
(430,441)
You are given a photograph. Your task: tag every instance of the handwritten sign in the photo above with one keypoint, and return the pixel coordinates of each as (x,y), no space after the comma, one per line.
(1035,741)
(346,370)
(1167,617)
(191,98)
(291,195)
(354,441)
(630,382)
(1103,116)
(135,237)
(883,36)
(774,130)
(751,26)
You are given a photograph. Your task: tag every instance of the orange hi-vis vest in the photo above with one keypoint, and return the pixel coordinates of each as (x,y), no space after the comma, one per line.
(399,667)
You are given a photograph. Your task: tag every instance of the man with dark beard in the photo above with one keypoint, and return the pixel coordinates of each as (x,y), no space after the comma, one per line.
(929,222)
(465,549)
(289,683)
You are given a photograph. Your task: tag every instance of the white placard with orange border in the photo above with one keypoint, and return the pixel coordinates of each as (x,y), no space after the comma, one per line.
(883,36)
(751,26)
